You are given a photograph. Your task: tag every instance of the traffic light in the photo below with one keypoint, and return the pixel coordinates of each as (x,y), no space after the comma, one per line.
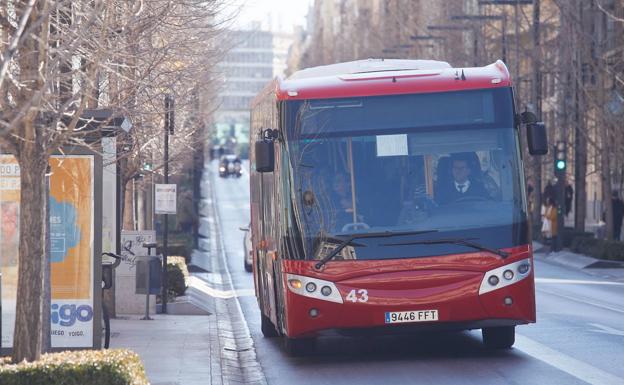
(560,157)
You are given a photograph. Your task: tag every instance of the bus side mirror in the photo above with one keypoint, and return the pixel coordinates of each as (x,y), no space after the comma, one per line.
(265,156)
(537,139)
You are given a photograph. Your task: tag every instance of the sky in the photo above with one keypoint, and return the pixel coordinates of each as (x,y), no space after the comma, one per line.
(275,15)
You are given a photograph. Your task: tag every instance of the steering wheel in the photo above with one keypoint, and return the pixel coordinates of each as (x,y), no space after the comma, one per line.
(355,226)
(471,198)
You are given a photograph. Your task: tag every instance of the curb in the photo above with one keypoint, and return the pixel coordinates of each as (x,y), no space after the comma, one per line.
(569,259)
(237,355)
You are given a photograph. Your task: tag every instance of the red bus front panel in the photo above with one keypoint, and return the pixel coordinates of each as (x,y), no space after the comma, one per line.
(370,289)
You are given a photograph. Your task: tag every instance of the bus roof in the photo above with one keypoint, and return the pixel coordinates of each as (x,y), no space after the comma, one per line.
(388,77)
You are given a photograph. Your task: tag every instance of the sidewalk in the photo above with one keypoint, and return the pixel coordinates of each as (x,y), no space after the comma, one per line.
(175,349)
(216,348)
(597,267)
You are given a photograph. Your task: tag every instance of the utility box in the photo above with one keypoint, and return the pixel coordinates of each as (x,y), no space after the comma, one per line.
(148,266)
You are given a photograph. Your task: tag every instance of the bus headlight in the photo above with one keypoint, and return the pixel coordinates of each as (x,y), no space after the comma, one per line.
(504,276)
(522,269)
(295,284)
(307,287)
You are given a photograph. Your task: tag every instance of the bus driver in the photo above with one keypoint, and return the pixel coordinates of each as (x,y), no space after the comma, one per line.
(464,183)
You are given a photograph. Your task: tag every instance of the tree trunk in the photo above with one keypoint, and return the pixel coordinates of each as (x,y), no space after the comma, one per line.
(536,91)
(580,169)
(128,207)
(27,337)
(580,139)
(606,184)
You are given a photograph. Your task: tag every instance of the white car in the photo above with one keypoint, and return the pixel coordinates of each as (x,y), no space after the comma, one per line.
(248,252)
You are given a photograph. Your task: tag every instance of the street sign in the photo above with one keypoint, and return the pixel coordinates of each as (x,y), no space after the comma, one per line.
(165,199)
(126,125)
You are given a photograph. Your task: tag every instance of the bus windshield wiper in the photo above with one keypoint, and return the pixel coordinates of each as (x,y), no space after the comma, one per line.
(455,241)
(349,241)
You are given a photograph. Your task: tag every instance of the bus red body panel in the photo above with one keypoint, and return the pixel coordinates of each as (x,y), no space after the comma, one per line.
(448,284)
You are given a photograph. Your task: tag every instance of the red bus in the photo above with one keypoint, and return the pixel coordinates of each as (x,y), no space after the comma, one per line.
(387,196)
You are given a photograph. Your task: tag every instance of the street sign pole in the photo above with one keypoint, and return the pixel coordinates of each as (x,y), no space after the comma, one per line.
(168,129)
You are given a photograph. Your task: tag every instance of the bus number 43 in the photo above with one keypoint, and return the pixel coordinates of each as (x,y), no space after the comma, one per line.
(357,295)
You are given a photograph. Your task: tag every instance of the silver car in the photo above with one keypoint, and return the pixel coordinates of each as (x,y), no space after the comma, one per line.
(248,252)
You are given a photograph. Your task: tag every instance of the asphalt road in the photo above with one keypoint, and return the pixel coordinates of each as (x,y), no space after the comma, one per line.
(578,339)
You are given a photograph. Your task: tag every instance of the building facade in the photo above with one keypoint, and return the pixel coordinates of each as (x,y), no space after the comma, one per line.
(245,69)
(256,57)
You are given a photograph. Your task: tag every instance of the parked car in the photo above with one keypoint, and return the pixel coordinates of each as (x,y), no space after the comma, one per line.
(248,252)
(230,165)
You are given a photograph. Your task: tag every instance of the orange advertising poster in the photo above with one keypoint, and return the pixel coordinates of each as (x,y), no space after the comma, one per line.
(71,213)
(71,219)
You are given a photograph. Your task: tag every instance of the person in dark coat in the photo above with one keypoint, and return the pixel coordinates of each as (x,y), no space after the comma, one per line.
(618,214)
(550,191)
(464,184)
(569,195)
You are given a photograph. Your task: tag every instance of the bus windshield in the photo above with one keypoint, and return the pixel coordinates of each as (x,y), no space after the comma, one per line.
(444,164)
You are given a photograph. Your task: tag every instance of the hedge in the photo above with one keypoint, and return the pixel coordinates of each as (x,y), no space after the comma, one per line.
(84,367)
(599,248)
(176,276)
(182,249)
(569,234)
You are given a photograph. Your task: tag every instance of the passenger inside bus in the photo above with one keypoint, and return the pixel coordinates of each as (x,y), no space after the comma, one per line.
(341,197)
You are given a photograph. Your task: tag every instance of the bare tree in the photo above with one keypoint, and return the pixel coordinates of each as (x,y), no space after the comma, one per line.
(60,57)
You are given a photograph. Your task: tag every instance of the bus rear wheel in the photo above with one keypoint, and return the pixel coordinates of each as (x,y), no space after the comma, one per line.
(502,337)
(298,347)
(267,327)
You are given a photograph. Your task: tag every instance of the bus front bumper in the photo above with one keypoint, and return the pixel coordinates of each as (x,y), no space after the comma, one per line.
(369,307)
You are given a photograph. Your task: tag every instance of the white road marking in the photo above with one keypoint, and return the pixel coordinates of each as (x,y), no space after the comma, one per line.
(572,366)
(577,282)
(577,299)
(203,286)
(606,329)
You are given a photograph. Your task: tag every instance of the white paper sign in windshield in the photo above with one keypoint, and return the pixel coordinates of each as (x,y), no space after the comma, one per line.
(392,145)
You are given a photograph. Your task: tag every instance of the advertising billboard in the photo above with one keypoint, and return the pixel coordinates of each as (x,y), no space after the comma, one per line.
(71,206)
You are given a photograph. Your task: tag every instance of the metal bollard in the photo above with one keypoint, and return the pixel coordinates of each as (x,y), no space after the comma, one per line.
(148,275)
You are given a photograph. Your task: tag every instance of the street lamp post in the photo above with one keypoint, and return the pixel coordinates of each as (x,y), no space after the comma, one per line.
(169,125)
(481,18)
(461,28)
(420,38)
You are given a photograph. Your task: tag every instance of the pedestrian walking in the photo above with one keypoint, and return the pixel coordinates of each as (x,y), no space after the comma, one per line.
(549,220)
(618,214)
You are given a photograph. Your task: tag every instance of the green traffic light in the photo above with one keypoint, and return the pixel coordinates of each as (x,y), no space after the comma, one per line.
(561,165)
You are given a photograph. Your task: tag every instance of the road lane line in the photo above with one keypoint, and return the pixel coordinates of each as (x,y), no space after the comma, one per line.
(577,299)
(572,366)
(577,282)
(606,329)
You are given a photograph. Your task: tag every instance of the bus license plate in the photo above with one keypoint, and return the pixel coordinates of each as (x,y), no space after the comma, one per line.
(411,316)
